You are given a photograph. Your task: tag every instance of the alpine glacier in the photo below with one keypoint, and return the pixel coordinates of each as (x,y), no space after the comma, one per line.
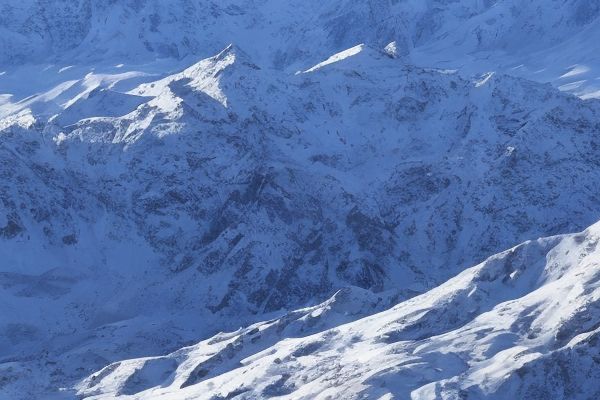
(261,198)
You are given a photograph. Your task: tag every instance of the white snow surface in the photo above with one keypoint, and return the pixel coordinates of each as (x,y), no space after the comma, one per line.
(174,169)
(523,324)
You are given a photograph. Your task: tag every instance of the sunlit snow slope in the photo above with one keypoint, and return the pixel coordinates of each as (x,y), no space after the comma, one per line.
(524,324)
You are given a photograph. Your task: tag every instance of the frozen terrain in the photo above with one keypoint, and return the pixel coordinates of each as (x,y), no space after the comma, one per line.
(524,324)
(174,169)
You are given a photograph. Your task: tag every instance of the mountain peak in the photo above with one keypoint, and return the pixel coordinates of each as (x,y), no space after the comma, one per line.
(233,55)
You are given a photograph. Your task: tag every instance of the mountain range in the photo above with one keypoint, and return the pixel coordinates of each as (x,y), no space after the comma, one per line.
(253,198)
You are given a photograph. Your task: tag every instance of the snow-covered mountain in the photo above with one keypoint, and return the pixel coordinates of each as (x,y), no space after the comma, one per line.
(160,184)
(543,40)
(524,324)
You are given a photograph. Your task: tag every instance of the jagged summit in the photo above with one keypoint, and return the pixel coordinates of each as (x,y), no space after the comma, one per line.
(358,56)
(239,55)
(212,76)
(470,36)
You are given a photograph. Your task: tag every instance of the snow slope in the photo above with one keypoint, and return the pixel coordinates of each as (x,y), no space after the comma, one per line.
(524,324)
